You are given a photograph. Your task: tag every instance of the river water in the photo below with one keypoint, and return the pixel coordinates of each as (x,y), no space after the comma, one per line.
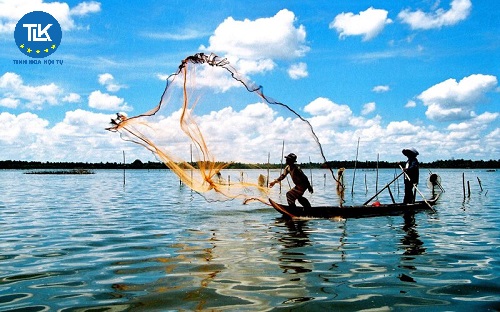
(93,243)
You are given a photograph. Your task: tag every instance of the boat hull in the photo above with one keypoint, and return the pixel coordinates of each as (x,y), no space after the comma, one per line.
(327,212)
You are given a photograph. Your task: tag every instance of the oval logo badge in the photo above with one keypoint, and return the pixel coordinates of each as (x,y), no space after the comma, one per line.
(38,34)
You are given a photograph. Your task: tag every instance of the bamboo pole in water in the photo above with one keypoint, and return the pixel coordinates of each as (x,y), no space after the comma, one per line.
(124,165)
(268,164)
(310,170)
(355,163)
(366,186)
(191,152)
(397,181)
(376,179)
(392,197)
(281,162)
(463,183)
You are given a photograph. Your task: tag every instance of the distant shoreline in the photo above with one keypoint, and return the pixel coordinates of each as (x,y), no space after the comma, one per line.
(137,164)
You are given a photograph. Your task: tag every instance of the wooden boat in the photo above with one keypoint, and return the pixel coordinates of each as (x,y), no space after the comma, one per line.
(354,211)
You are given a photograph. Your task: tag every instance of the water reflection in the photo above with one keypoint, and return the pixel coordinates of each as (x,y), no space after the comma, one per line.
(103,248)
(187,276)
(294,259)
(411,242)
(291,260)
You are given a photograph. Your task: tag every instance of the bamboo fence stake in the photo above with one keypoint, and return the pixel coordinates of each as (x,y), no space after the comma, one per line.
(268,164)
(463,183)
(281,162)
(124,165)
(310,171)
(376,179)
(354,175)
(366,186)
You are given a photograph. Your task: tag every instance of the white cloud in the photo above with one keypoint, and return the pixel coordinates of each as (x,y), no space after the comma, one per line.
(248,126)
(162,77)
(255,130)
(452,100)
(104,101)
(216,77)
(297,71)
(324,106)
(260,40)
(107,80)
(72,98)
(411,104)
(247,67)
(85,8)
(181,35)
(458,12)
(491,140)
(9,102)
(381,89)
(367,23)
(368,108)
(402,128)
(472,137)
(12,11)
(474,124)
(80,136)
(13,92)
(406,52)
(18,129)
(327,113)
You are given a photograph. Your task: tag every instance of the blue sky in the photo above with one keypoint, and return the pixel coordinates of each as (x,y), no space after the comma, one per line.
(394,74)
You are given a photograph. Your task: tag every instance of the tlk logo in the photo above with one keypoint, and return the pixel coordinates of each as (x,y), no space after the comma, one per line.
(39,34)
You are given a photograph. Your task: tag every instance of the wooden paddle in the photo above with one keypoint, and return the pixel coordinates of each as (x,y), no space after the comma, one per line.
(416,188)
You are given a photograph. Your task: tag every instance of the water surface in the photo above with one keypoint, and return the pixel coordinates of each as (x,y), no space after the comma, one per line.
(87,242)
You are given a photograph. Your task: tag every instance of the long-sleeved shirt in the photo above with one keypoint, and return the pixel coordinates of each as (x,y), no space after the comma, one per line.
(412,170)
(299,178)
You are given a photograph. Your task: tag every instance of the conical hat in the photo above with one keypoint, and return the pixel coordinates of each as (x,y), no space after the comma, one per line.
(409,152)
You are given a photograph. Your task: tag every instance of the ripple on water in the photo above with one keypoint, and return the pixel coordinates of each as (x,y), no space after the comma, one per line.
(155,245)
(11,298)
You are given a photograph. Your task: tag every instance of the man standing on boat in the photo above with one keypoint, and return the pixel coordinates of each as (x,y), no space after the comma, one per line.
(411,176)
(299,179)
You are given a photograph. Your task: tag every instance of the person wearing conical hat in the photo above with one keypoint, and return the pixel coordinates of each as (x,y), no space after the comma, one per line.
(412,172)
(300,180)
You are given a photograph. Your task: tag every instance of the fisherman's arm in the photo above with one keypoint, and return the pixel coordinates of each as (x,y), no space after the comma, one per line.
(310,188)
(280,178)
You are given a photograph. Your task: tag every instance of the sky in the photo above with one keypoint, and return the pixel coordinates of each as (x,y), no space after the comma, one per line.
(391,74)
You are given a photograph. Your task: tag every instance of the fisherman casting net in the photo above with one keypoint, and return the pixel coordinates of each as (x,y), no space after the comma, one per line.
(210,116)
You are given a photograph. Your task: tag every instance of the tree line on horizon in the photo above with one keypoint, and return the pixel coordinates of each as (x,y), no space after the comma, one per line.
(138,164)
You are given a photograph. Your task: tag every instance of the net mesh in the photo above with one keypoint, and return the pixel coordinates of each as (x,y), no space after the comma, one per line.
(210,116)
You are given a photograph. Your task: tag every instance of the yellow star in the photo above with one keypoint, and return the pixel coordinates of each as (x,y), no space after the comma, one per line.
(22,46)
(29,50)
(37,51)
(53,46)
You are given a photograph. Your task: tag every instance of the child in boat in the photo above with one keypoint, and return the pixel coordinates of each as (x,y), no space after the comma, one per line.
(299,179)
(412,171)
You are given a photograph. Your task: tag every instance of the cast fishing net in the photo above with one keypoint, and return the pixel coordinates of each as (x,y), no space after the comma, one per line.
(210,116)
